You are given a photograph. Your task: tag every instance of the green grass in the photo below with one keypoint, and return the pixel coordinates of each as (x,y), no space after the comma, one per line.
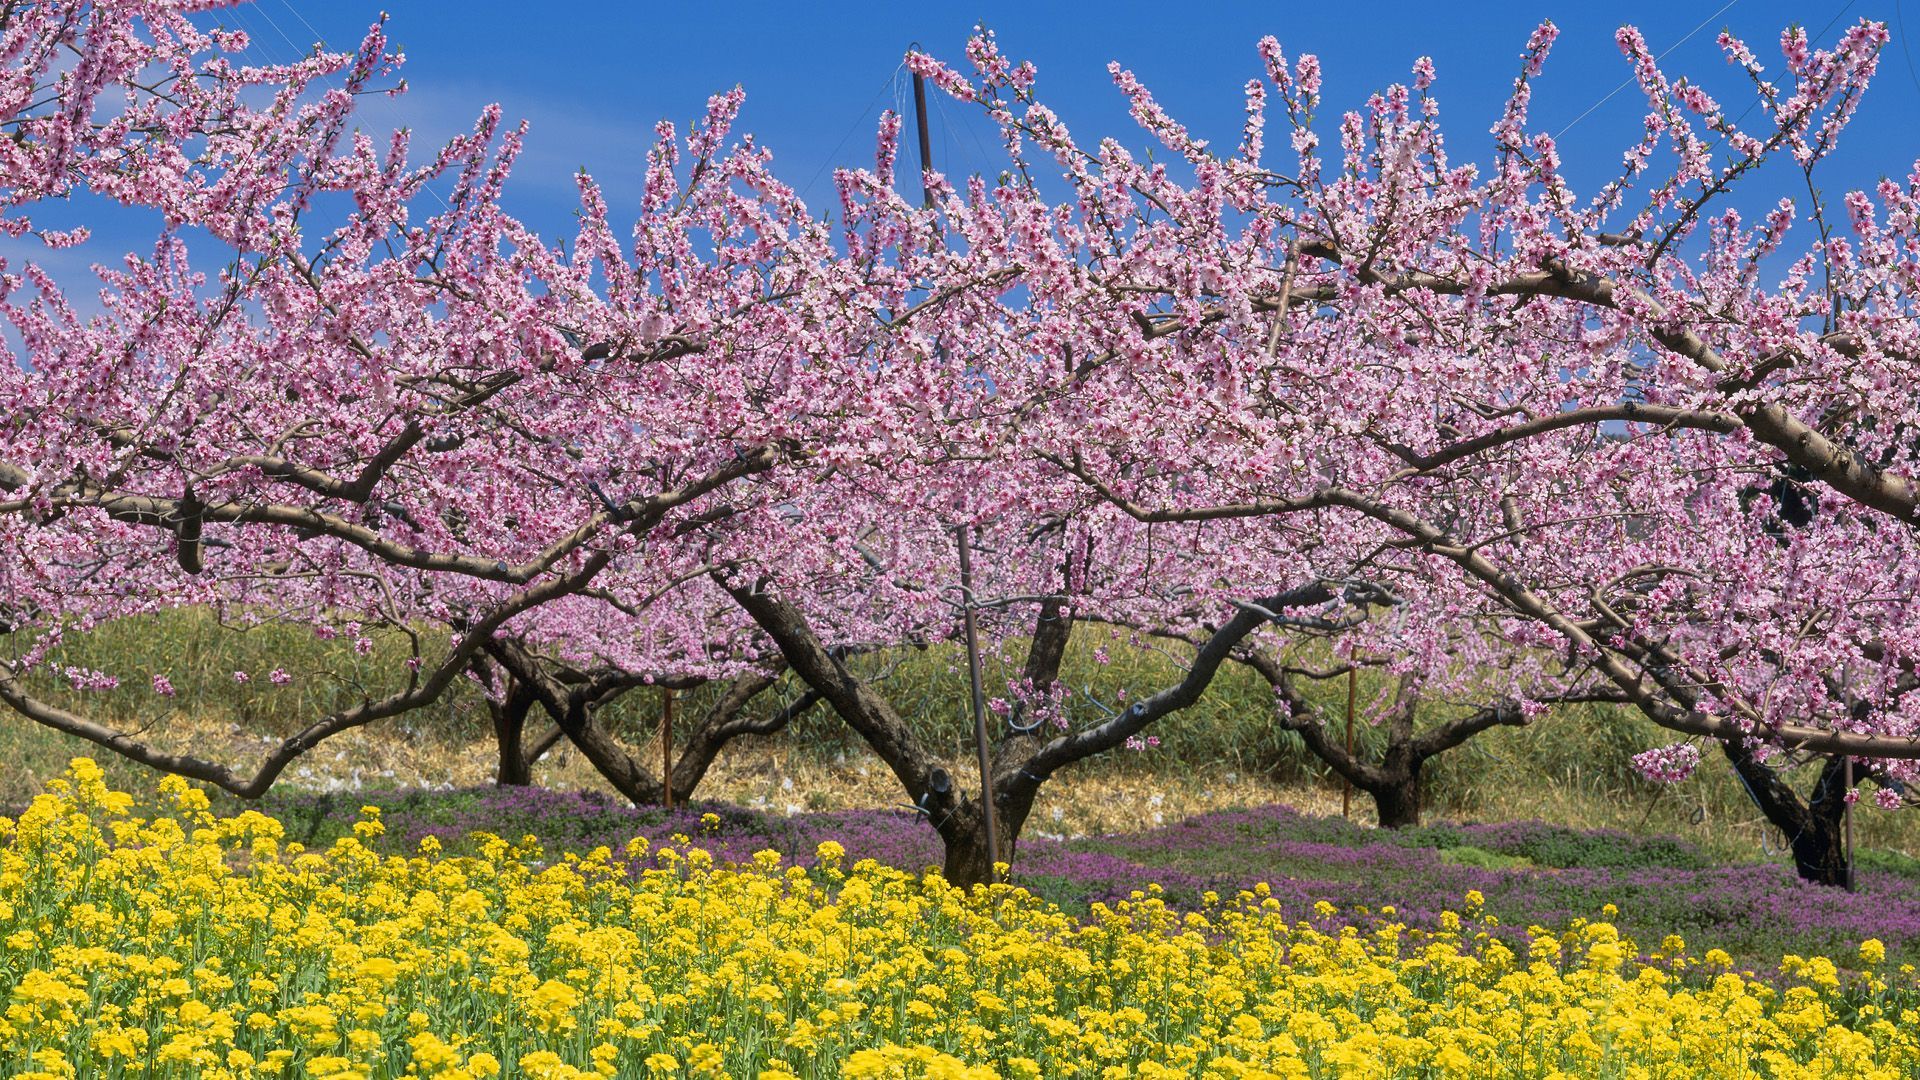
(1468,855)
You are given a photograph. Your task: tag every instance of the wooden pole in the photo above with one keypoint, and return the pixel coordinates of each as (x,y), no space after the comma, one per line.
(1849,812)
(1346,782)
(666,743)
(966,551)
(979,705)
(926,143)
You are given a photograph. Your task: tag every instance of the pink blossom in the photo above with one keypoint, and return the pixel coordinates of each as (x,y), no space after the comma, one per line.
(1423,74)
(1668,764)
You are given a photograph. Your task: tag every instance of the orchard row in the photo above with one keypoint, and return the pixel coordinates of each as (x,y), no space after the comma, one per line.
(1330,395)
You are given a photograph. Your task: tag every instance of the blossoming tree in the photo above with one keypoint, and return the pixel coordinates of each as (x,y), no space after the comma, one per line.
(1640,425)
(867,556)
(385,403)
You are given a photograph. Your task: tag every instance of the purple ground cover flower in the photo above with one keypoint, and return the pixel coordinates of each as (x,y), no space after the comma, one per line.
(1529,873)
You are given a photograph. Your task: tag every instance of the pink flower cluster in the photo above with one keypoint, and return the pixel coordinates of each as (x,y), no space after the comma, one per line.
(1668,764)
(88,679)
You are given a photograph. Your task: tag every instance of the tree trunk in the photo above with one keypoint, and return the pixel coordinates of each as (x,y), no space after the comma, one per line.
(1397,801)
(966,857)
(539,747)
(1014,786)
(1820,849)
(1018,772)
(1815,829)
(609,758)
(1820,853)
(964,836)
(921,772)
(727,719)
(509,735)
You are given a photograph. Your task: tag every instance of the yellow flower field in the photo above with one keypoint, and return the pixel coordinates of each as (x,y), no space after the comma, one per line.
(186,944)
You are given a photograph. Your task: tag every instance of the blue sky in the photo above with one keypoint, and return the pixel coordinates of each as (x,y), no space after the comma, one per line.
(592,77)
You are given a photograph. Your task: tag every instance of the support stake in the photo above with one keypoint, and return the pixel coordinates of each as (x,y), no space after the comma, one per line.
(920,120)
(966,552)
(1346,782)
(666,743)
(1848,803)
(979,706)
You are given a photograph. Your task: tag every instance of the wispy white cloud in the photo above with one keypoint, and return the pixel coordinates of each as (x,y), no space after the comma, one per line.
(562,138)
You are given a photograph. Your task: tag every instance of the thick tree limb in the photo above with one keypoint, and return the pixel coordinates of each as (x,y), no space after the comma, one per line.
(418,693)
(1074,746)
(927,780)
(637,514)
(1637,686)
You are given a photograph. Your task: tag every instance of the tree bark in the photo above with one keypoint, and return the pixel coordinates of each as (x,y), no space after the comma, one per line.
(1397,800)
(1013,800)
(964,837)
(541,745)
(929,780)
(509,717)
(1815,827)
(1394,781)
(609,758)
(925,777)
